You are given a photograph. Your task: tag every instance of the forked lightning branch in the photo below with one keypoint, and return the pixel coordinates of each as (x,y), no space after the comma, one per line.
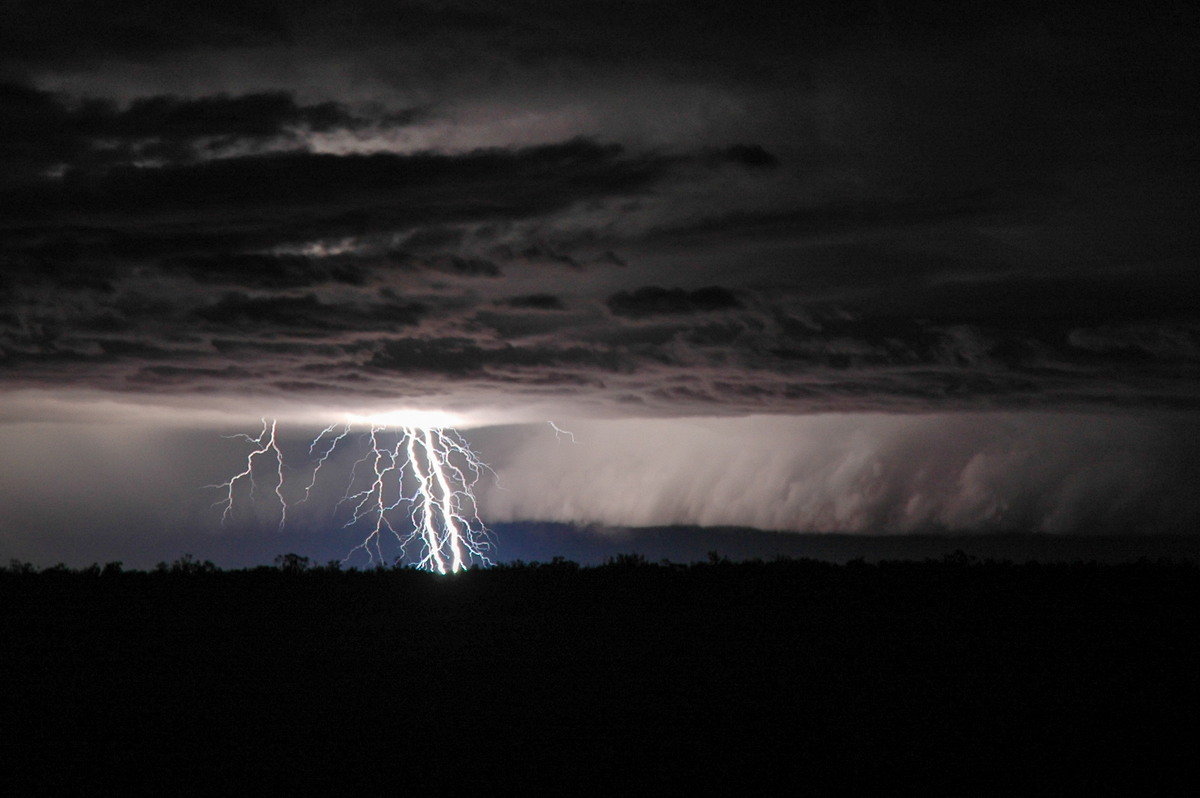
(413,487)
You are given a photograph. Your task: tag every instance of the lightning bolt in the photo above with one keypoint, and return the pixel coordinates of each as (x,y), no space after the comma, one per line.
(266,446)
(325,455)
(430,472)
(559,432)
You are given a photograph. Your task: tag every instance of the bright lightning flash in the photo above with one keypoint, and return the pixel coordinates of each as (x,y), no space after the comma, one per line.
(266,447)
(560,433)
(424,476)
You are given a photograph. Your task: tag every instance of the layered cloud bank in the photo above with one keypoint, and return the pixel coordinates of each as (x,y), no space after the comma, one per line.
(829,209)
(864,473)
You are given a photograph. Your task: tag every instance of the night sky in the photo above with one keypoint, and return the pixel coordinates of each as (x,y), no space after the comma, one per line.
(856,267)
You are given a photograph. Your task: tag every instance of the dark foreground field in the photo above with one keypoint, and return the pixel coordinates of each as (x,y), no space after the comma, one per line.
(800,677)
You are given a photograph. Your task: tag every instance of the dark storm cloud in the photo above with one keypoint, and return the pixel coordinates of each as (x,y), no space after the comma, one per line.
(751,156)
(654,300)
(534,253)
(306,315)
(862,216)
(246,116)
(457,356)
(554,175)
(41,131)
(818,206)
(534,30)
(95,259)
(536,302)
(756,354)
(262,271)
(191,377)
(284,271)
(449,263)
(524,327)
(90,31)
(278,198)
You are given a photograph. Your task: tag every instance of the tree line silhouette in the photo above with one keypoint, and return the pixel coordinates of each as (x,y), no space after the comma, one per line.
(292,563)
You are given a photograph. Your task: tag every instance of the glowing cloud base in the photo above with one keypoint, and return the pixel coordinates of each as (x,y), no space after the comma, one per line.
(415,484)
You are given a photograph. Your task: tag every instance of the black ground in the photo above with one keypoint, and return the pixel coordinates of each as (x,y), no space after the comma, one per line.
(796,676)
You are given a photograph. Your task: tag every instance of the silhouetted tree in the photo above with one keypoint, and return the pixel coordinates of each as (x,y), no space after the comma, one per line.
(187,564)
(291,563)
